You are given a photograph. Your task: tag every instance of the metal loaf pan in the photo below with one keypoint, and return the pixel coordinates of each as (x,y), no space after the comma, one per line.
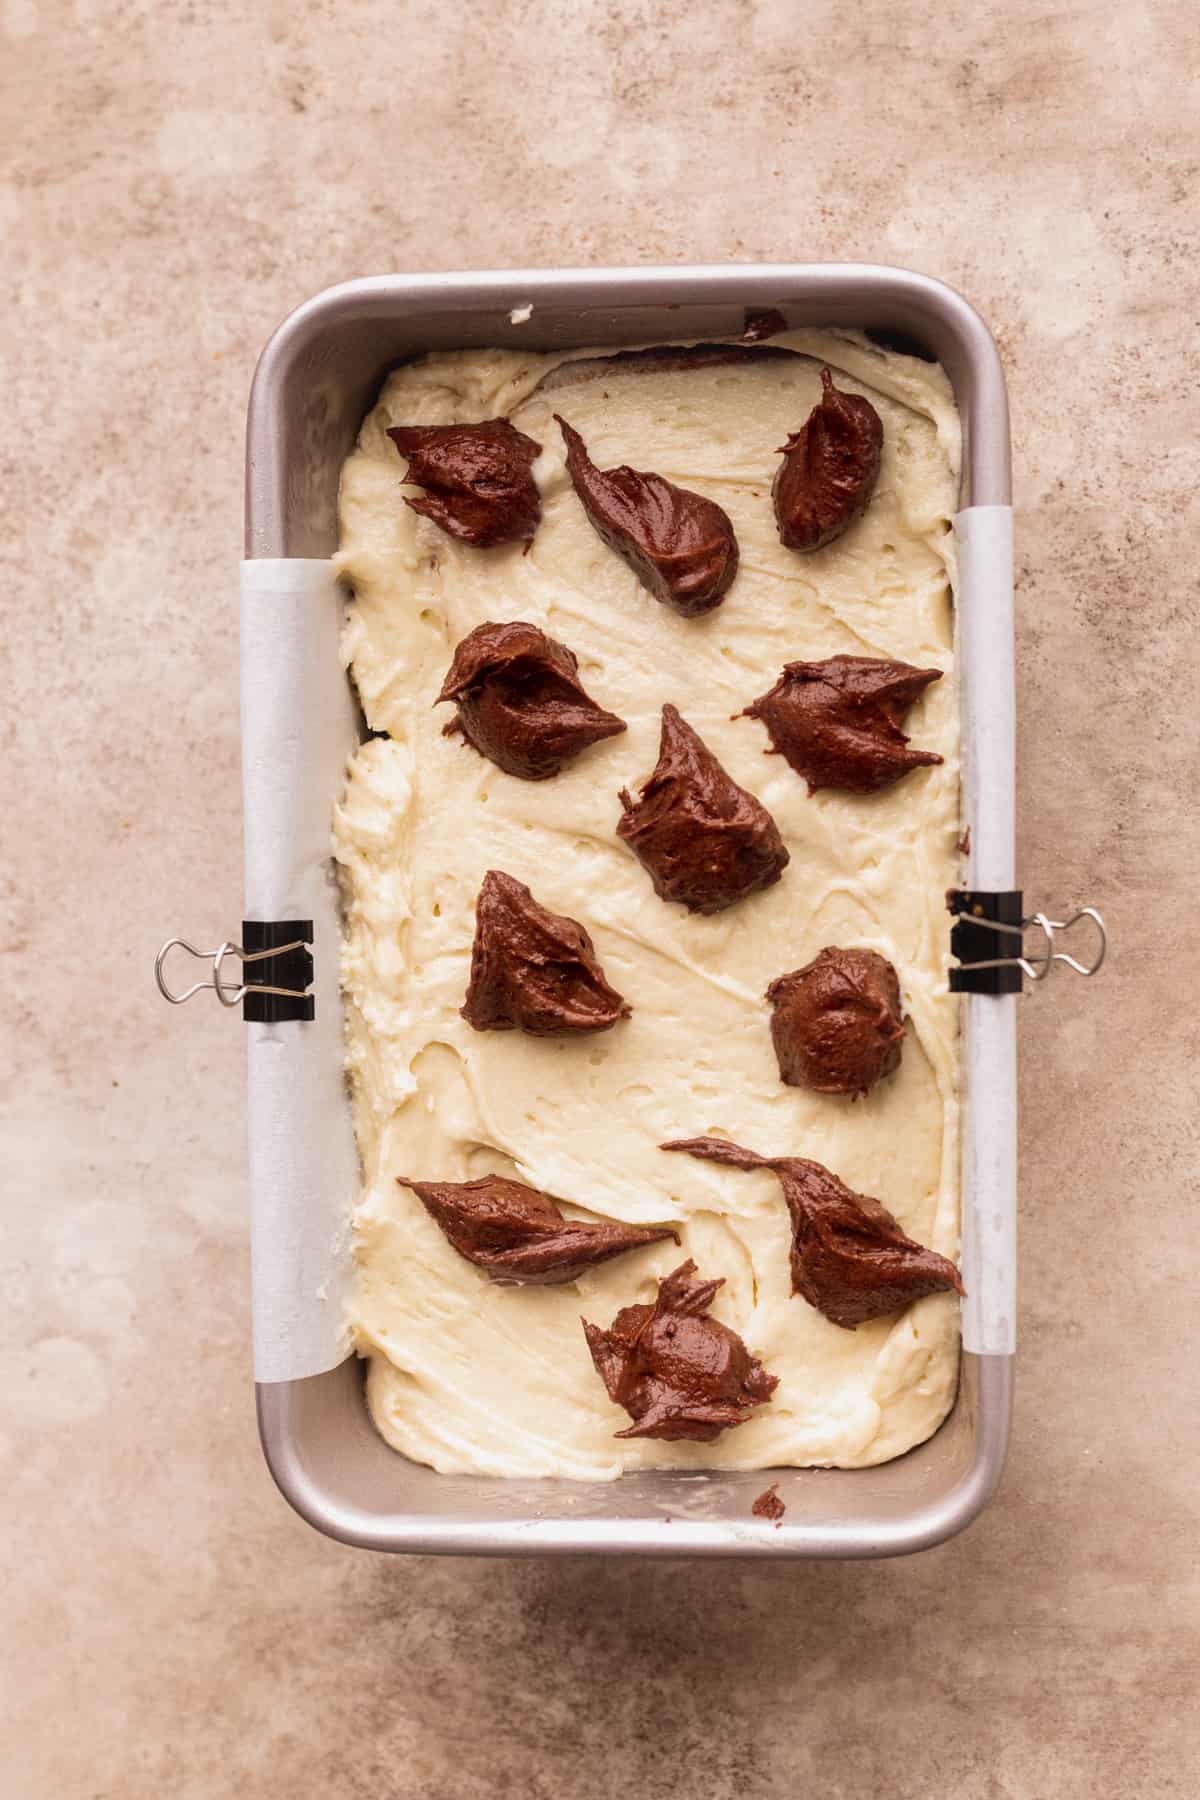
(316,378)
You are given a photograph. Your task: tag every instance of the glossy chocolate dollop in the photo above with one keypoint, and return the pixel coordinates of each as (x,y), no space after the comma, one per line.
(829,469)
(704,840)
(837,722)
(677,1372)
(477,480)
(836,1023)
(518,1234)
(680,546)
(521,702)
(850,1258)
(534,970)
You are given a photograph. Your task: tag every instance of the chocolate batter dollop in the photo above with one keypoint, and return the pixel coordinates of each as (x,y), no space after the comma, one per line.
(850,1258)
(521,702)
(829,469)
(477,480)
(838,722)
(678,1373)
(680,546)
(759,325)
(769,1506)
(534,970)
(836,1022)
(518,1234)
(704,840)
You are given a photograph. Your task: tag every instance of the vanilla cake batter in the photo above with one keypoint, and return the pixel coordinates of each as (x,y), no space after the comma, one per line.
(468,1376)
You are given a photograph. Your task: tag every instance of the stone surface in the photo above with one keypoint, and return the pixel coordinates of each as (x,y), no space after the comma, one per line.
(177,176)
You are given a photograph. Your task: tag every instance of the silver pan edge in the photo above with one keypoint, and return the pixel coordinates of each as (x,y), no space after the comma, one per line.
(315,380)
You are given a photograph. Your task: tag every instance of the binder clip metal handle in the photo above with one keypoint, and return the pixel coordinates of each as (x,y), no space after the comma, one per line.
(276,971)
(981,918)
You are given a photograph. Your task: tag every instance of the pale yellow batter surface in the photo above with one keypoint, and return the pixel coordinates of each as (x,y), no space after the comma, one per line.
(468,1376)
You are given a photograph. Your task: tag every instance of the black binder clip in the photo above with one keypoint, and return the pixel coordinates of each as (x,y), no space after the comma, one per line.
(985,922)
(277,970)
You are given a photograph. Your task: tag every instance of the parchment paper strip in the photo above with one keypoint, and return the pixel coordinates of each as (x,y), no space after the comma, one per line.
(298,728)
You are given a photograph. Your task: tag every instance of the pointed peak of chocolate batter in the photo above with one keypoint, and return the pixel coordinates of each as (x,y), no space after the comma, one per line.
(704,841)
(678,1373)
(838,722)
(850,1259)
(681,546)
(532,969)
(517,1233)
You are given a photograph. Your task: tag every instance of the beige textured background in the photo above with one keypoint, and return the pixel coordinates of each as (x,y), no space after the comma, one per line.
(178,174)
